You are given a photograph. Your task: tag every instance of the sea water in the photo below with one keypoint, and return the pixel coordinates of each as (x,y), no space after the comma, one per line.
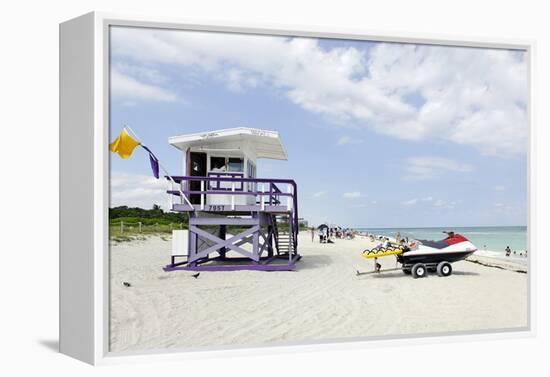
(492,240)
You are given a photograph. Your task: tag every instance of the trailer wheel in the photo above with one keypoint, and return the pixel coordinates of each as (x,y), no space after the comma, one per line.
(419,270)
(444,269)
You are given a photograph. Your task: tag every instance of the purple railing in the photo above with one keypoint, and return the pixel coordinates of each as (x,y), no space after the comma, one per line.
(216,184)
(274,193)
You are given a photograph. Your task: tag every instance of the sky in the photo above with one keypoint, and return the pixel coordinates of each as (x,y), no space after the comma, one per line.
(377,134)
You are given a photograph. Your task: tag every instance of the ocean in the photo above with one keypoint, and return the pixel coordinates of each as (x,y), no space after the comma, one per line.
(490,238)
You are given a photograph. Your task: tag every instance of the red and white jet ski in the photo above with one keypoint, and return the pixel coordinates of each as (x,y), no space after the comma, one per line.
(423,255)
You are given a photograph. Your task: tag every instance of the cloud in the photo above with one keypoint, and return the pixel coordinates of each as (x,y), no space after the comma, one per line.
(352,195)
(137,191)
(444,204)
(238,80)
(499,188)
(410,202)
(125,87)
(503,208)
(344,140)
(319,194)
(469,96)
(428,168)
(415,201)
(435,203)
(141,73)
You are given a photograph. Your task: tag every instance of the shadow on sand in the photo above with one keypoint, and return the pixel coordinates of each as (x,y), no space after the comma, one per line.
(465,273)
(52,345)
(313,261)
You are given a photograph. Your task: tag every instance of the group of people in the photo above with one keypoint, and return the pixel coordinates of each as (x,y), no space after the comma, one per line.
(325,234)
(509,252)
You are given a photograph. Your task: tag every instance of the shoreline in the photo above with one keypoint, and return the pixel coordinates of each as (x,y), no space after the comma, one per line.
(497,262)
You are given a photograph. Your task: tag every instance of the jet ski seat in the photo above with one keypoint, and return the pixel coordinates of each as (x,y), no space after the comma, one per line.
(435,244)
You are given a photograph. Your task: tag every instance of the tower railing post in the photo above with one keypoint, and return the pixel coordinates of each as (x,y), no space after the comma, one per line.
(289,198)
(171,199)
(262,201)
(233,196)
(202,195)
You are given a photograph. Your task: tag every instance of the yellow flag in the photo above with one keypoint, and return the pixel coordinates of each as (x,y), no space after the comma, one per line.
(124,144)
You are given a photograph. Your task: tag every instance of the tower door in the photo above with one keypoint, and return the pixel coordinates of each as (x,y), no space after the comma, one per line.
(197,168)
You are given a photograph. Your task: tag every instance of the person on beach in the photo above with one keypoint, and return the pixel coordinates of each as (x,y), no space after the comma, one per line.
(508,251)
(413,245)
(312,234)
(377,266)
(398,237)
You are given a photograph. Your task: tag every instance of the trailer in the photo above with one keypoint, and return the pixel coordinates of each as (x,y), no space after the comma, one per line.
(417,270)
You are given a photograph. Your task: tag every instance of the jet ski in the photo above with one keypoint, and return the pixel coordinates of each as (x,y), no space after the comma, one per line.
(451,249)
(420,256)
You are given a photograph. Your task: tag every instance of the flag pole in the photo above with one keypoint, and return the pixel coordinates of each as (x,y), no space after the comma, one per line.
(163,169)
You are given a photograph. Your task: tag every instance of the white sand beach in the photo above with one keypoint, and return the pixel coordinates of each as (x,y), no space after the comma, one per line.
(322,300)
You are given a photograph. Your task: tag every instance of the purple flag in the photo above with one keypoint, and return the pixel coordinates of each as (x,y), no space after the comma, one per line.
(154,162)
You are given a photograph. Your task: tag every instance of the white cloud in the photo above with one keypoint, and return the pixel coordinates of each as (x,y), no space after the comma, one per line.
(352,195)
(344,140)
(124,86)
(428,168)
(503,208)
(500,188)
(444,204)
(141,73)
(436,203)
(415,201)
(138,191)
(470,96)
(319,194)
(410,202)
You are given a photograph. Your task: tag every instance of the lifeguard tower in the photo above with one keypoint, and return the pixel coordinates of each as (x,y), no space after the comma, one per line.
(237,221)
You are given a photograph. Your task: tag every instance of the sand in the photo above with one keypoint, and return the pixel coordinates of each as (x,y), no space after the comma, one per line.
(322,300)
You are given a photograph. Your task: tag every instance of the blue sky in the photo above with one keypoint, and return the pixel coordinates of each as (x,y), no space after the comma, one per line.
(377,134)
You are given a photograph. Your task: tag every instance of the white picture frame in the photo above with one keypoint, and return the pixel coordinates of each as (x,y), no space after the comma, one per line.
(84,121)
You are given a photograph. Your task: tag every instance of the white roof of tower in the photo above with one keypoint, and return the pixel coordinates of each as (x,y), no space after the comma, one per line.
(263,143)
